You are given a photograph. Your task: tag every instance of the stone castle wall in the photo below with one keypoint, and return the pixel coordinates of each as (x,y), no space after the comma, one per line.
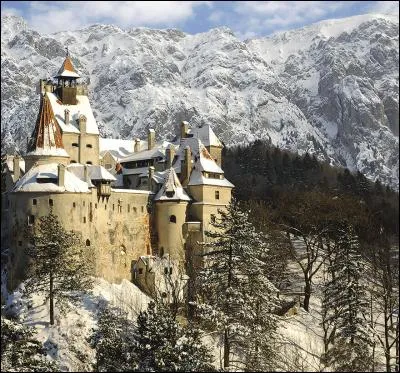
(117,228)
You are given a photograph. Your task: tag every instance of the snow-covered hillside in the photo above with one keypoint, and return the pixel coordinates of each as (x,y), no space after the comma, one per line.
(330,88)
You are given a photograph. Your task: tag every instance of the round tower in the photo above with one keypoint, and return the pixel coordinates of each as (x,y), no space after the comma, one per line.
(170,215)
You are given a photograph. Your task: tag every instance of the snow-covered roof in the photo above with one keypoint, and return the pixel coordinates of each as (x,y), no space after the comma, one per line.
(67,69)
(118,148)
(206,135)
(172,189)
(46,138)
(75,111)
(95,172)
(157,151)
(29,182)
(134,171)
(201,158)
(197,178)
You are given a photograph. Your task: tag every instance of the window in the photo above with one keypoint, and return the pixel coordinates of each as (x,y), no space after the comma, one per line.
(135,210)
(172,219)
(34,202)
(140,271)
(170,270)
(83,203)
(73,204)
(113,207)
(89,146)
(95,205)
(73,161)
(129,208)
(216,194)
(142,208)
(51,202)
(166,271)
(19,243)
(105,207)
(87,242)
(88,162)
(161,252)
(75,145)
(119,208)
(31,220)
(108,165)
(84,219)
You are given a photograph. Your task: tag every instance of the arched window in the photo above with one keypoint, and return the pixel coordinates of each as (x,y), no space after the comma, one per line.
(172,219)
(87,242)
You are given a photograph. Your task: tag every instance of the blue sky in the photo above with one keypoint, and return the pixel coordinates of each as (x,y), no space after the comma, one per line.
(247,19)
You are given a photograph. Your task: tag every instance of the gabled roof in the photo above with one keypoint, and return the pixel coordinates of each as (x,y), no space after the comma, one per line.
(67,69)
(95,172)
(46,138)
(157,151)
(206,135)
(75,111)
(172,189)
(29,182)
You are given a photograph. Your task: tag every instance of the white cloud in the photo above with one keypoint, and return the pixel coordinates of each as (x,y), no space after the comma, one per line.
(51,17)
(262,17)
(385,7)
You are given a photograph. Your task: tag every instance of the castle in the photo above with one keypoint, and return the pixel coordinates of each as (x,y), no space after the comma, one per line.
(130,201)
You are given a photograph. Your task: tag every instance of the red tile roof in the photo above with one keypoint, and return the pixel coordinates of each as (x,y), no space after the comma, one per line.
(47,132)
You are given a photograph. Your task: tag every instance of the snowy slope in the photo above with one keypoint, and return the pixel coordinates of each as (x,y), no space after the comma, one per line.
(67,341)
(330,88)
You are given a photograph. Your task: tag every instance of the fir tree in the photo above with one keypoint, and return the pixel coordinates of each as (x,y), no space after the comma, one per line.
(20,351)
(162,345)
(345,304)
(235,291)
(58,263)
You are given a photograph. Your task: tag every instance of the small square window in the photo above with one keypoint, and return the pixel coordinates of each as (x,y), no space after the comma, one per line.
(19,243)
(140,271)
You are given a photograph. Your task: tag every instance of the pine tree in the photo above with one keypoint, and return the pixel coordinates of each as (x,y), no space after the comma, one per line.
(58,263)
(235,291)
(20,351)
(345,304)
(163,345)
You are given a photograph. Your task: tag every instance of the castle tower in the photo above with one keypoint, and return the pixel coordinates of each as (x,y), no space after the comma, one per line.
(171,203)
(46,145)
(67,87)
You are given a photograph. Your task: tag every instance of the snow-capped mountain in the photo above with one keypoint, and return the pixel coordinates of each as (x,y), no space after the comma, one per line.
(330,88)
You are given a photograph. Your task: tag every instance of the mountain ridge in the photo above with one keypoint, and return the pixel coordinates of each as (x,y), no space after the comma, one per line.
(336,97)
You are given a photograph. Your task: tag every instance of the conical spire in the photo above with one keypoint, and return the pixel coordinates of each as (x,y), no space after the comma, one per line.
(46,137)
(67,69)
(172,189)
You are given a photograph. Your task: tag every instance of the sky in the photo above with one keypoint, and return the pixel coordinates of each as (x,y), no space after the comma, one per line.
(247,19)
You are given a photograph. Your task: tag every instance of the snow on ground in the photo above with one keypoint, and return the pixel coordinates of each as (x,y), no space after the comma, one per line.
(68,340)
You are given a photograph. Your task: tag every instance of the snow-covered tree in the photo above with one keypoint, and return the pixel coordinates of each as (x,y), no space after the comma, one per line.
(163,345)
(113,340)
(20,351)
(58,264)
(345,305)
(235,293)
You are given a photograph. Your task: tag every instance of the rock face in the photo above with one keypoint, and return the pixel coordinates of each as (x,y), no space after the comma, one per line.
(330,88)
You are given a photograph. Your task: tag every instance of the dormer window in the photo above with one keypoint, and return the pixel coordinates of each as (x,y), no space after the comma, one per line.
(169,193)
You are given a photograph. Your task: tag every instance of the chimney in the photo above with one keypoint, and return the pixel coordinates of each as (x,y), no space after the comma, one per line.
(186,167)
(137,145)
(151,174)
(151,139)
(61,175)
(82,124)
(66,116)
(170,153)
(184,129)
(17,172)
(86,178)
